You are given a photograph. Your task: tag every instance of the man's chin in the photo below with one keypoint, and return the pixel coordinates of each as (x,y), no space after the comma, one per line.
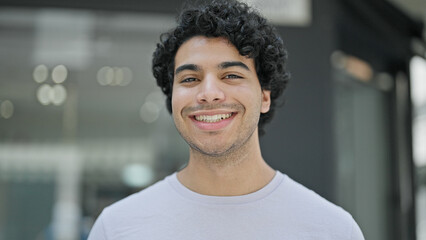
(214,152)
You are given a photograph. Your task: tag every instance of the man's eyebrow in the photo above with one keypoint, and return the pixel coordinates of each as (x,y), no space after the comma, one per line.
(184,67)
(233,64)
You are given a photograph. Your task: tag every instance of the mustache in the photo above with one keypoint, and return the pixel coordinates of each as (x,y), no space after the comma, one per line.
(229,106)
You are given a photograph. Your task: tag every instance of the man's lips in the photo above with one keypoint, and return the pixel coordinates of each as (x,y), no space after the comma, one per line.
(212,121)
(211,109)
(210,117)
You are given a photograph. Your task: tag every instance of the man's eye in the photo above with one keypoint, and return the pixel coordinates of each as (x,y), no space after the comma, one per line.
(230,76)
(188,80)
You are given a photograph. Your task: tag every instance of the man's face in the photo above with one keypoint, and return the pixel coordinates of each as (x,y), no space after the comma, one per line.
(217,98)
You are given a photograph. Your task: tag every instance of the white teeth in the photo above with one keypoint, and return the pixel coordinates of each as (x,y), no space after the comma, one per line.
(212,118)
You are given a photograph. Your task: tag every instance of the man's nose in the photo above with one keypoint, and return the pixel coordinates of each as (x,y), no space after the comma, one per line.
(211,90)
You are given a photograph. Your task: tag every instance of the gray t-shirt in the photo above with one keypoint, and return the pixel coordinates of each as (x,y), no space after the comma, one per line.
(283,209)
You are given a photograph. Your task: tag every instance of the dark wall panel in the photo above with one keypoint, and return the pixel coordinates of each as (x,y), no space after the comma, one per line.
(298,142)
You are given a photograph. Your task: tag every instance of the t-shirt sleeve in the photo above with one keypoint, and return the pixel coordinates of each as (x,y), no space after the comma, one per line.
(98,230)
(356,232)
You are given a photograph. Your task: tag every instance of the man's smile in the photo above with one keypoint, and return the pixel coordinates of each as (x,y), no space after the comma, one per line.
(212,121)
(212,118)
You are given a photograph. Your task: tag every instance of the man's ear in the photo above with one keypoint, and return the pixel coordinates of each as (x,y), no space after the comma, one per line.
(266,101)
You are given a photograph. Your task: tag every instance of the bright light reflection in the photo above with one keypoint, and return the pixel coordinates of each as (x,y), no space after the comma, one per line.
(418,96)
(137,175)
(149,112)
(358,68)
(100,76)
(419,139)
(44,94)
(55,95)
(40,73)
(59,74)
(127,76)
(118,76)
(109,76)
(6,109)
(418,83)
(114,76)
(59,94)
(156,97)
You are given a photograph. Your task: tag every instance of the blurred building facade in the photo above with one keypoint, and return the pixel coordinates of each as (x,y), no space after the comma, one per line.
(83,124)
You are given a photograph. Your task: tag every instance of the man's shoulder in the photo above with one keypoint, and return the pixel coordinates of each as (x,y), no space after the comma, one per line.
(309,208)
(305,199)
(143,200)
(134,214)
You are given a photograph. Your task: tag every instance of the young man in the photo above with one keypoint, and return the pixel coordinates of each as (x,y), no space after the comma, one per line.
(222,69)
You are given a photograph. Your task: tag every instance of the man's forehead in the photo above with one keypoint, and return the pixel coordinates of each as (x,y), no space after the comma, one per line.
(198,47)
(221,65)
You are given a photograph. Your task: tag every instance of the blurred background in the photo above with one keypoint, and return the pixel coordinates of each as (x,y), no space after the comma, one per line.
(83,124)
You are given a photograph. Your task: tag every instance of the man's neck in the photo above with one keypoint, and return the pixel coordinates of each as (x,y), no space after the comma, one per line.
(241,172)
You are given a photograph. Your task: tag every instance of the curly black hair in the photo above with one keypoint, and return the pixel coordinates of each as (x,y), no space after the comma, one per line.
(244,27)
